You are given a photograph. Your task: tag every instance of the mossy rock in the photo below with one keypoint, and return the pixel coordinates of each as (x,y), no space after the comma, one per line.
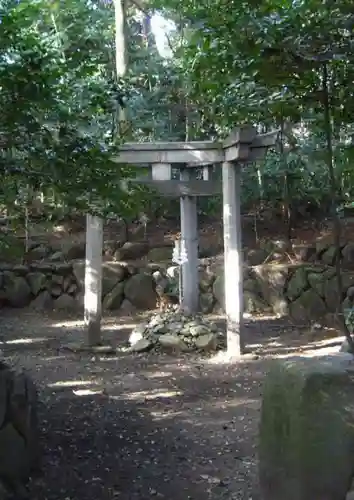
(297,284)
(254,304)
(271,280)
(160,254)
(307,307)
(317,282)
(329,255)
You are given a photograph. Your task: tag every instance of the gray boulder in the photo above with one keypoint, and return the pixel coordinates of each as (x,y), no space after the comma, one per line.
(297,284)
(140,291)
(37,282)
(131,251)
(17,291)
(112,273)
(307,307)
(65,302)
(113,300)
(42,302)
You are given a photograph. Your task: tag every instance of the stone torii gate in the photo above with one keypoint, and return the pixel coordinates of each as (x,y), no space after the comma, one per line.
(242,146)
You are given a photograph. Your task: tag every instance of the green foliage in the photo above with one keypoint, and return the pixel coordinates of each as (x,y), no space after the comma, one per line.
(58,100)
(349,319)
(10,248)
(262,62)
(258,62)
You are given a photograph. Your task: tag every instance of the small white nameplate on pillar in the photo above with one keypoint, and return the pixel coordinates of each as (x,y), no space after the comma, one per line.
(207,172)
(161,171)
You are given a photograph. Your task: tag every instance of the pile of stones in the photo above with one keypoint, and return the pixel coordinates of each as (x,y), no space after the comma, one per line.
(19,433)
(175,331)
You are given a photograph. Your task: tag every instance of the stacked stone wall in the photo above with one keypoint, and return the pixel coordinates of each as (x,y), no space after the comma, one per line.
(306,290)
(19,431)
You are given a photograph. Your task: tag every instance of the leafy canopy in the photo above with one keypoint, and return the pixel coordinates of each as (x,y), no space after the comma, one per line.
(59,100)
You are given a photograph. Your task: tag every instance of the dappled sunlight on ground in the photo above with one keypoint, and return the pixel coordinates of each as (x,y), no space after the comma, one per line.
(63,384)
(159,374)
(165,414)
(68,324)
(149,395)
(275,348)
(117,324)
(88,392)
(23,341)
(51,359)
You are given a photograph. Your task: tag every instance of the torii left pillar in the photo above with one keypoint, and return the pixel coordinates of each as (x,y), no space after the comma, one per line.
(93,279)
(189,238)
(189,243)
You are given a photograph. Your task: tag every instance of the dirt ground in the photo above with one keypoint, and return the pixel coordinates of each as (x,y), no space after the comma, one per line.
(145,426)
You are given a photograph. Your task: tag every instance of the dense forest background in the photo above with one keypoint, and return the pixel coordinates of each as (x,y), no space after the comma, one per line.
(70,72)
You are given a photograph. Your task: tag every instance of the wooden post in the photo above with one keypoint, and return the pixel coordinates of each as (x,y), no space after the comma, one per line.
(189,243)
(93,279)
(231,181)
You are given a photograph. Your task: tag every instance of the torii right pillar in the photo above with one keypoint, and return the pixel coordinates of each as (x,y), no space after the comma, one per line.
(231,181)
(243,145)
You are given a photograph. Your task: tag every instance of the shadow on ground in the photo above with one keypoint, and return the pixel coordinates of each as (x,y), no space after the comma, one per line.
(99,448)
(163,429)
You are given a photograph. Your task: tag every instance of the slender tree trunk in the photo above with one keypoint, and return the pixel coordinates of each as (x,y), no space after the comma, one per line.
(334,195)
(121,57)
(121,70)
(286,185)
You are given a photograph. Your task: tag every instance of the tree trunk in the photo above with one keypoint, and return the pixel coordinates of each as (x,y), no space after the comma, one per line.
(334,196)
(121,58)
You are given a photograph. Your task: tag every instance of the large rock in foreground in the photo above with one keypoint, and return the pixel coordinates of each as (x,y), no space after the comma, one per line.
(306,445)
(19,433)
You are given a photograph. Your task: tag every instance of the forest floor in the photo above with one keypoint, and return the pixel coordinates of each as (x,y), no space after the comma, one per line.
(146,426)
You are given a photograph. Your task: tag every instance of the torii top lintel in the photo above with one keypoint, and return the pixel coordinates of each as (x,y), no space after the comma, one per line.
(243,144)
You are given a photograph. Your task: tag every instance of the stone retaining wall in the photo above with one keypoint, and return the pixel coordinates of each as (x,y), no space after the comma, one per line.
(323,251)
(19,439)
(303,291)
